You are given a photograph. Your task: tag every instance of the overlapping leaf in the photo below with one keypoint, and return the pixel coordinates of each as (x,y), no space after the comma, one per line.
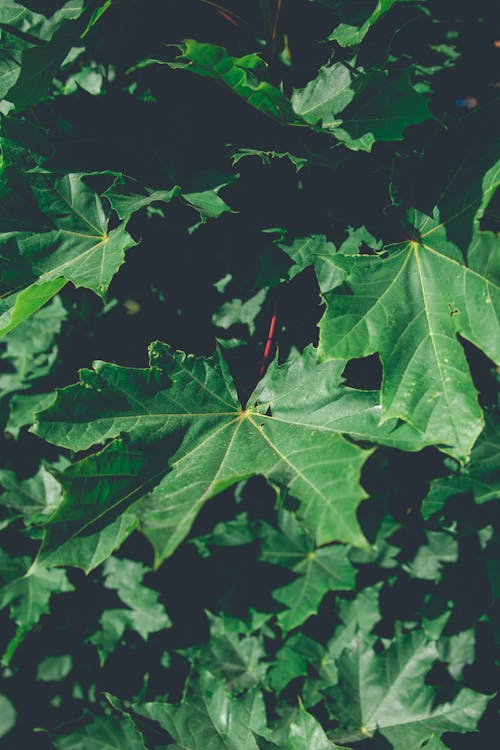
(33,47)
(27,592)
(357,19)
(318,570)
(30,352)
(199,439)
(242,75)
(306,733)
(374,106)
(55,231)
(386,692)
(127,196)
(361,108)
(143,614)
(232,655)
(111,732)
(480,476)
(410,306)
(211,719)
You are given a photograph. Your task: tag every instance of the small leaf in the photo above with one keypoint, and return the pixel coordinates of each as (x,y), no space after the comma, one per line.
(144,613)
(480,476)
(54,668)
(441,548)
(317,251)
(233,657)
(357,19)
(7,715)
(28,591)
(62,235)
(319,570)
(306,733)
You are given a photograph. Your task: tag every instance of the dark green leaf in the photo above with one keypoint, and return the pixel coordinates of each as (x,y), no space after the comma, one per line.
(318,570)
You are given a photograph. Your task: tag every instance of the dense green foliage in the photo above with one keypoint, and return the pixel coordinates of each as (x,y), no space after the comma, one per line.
(213,547)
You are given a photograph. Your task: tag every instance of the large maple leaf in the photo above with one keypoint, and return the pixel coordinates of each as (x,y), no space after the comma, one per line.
(410,305)
(189,439)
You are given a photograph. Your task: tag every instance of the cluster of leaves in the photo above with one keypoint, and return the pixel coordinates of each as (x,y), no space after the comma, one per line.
(228,549)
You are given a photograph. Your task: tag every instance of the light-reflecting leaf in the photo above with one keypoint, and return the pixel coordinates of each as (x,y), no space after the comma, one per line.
(306,733)
(240,74)
(427,564)
(357,19)
(211,719)
(361,108)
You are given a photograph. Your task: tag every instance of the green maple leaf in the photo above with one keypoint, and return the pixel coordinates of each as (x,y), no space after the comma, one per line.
(36,498)
(293,660)
(242,75)
(211,719)
(218,443)
(410,306)
(27,593)
(319,570)
(306,733)
(33,47)
(126,200)
(55,234)
(357,19)
(316,251)
(110,732)
(88,551)
(480,476)
(191,438)
(232,655)
(361,108)
(144,613)
(386,692)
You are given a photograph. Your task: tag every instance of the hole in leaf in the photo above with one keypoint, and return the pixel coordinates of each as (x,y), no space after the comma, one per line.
(364,373)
